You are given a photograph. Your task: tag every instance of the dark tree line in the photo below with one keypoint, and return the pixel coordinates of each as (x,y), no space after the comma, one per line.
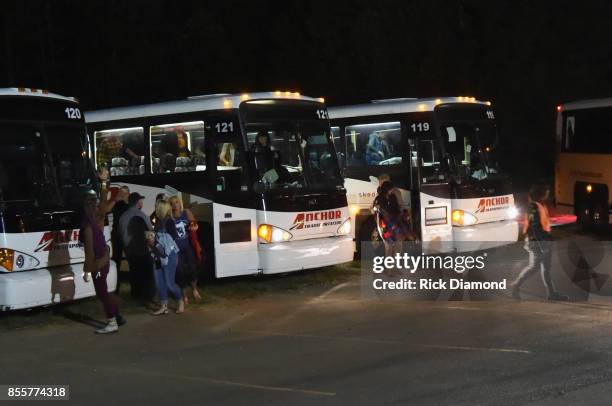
(525,56)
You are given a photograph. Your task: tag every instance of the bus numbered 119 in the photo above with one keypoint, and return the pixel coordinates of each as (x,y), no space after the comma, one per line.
(583,165)
(45,174)
(258,171)
(441,154)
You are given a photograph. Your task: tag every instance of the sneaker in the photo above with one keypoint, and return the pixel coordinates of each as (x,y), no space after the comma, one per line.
(558,297)
(111,327)
(162,310)
(181,307)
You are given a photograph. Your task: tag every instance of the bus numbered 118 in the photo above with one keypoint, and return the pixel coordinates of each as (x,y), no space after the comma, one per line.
(583,165)
(45,174)
(441,154)
(258,171)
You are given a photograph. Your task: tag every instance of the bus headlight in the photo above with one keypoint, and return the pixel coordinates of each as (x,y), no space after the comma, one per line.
(462,218)
(11,260)
(270,233)
(512,213)
(345,228)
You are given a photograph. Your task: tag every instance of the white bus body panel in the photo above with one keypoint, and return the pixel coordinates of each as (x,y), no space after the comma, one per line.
(436,237)
(52,271)
(305,254)
(237,258)
(494,227)
(41,287)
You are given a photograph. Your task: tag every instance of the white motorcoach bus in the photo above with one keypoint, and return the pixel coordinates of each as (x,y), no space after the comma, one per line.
(583,165)
(442,155)
(268,210)
(45,171)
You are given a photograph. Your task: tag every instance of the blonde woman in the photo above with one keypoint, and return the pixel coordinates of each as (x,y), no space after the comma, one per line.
(164,253)
(185,222)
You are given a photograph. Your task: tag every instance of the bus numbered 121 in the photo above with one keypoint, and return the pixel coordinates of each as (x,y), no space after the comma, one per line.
(441,154)
(258,171)
(45,174)
(583,165)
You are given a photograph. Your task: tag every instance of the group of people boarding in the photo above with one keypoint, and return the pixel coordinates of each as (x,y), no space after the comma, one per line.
(162,251)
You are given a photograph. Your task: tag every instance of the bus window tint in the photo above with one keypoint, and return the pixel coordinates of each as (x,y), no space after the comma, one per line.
(177,147)
(373,144)
(23,174)
(338,146)
(429,151)
(229,166)
(121,150)
(588,131)
(276,157)
(472,149)
(67,146)
(319,158)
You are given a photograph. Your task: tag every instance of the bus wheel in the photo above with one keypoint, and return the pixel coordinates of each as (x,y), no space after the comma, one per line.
(584,216)
(600,216)
(369,234)
(593,216)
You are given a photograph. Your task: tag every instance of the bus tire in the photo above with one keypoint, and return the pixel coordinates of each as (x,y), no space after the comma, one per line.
(368,233)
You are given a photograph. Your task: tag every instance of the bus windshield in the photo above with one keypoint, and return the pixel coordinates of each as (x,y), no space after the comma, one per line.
(471,148)
(292,156)
(42,166)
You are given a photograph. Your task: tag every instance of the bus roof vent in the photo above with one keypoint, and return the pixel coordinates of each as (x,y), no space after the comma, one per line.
(208,96)
(394,100)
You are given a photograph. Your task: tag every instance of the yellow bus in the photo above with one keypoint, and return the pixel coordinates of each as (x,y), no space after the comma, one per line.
(583,164)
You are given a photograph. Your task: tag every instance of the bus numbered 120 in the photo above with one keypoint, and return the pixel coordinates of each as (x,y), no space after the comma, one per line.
(583,164)
(45,173)
(258,171)
(441,154)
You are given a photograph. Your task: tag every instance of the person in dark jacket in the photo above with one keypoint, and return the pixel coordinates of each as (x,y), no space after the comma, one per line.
(538,239)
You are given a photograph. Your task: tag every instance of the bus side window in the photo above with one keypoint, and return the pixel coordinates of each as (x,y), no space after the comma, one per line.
(373,144)
(177,147)
(120,150)
(335,131)
(229,167)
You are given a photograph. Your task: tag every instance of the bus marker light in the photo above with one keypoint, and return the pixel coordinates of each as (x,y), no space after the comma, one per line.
(244,96)
(355,210)
(6,259)
(589,188)
(438,101)
(488,103)
(559,108)
(227,103)
(322,99)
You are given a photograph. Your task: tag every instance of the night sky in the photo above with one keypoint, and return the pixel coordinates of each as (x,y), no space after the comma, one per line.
(525,56)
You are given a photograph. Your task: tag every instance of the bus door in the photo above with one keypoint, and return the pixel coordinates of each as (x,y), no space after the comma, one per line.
(234,215)
(434,192)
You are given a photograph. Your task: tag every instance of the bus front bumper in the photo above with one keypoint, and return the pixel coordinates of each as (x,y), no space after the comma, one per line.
(305,254)
(41,287)
(486,235)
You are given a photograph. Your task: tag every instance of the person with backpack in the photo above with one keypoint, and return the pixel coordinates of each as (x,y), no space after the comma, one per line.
(537,243)
(163,251)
